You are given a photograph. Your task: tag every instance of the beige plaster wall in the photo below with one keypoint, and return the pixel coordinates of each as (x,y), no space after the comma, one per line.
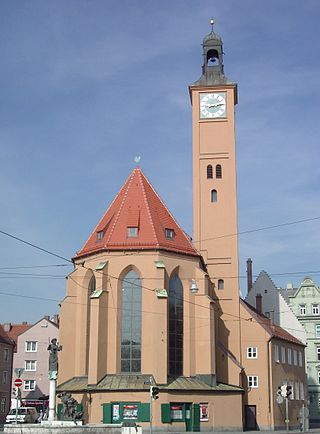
(102,338)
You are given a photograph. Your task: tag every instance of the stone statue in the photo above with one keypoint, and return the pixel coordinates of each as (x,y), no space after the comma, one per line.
(69,407)
(53,359)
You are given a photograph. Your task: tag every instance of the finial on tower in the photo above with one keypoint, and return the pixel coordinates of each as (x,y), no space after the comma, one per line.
(212,23)
(137,159)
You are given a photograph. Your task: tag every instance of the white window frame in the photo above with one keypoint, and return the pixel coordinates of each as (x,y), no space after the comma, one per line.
(252,352)
(300,359)
(28,365)
(315,309)
(317,331)
(295,357)
(283,355)
(292,396)
(289,356)
(301,392)
(31,348)
(296,391)
(27,385)
(276,354)
(253,381)
(5,377)
(318,377)
(302,309)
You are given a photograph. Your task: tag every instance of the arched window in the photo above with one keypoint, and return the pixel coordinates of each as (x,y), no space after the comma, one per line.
(92,285)
(131,323)
(212,58)
(214,196)
(209,172)
(220,284)
(175,326)
(218,171)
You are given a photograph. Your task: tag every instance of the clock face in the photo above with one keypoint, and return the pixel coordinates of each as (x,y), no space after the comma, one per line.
(212,105)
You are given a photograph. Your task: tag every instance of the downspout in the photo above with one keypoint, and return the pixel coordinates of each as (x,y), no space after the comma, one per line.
(269,387)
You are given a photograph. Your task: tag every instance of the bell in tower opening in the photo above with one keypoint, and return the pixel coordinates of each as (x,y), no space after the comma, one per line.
(212,69)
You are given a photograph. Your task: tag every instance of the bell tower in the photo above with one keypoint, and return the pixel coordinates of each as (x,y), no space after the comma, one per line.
(213,99)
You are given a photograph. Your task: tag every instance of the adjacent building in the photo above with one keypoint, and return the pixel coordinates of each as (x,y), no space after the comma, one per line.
(6,357)
(275,305)
(305,304)
(31,354)
(271,357)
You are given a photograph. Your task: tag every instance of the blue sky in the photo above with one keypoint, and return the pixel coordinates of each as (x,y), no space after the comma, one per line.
(87,85)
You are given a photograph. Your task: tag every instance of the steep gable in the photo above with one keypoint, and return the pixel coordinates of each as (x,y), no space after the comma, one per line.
(139,209)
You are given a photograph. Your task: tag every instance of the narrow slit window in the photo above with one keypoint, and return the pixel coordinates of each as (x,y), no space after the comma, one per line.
(214,196)
(209,172)
(218,171)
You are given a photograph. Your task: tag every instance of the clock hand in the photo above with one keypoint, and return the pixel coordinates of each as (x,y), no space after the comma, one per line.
(215,105)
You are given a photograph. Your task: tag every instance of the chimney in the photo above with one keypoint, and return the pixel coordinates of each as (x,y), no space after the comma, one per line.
(289,285)
(259,303)
(249,274)
(272,317)
(56,319)
(7,326)
(24,322)
(47,317)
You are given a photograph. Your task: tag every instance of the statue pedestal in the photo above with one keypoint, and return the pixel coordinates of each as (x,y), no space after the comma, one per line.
(59,423)
(52,400)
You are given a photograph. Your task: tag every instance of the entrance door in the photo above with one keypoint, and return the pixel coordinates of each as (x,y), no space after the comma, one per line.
(250,417)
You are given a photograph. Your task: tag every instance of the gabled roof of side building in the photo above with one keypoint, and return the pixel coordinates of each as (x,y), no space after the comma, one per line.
(137,205)
(17,329)
(275,331)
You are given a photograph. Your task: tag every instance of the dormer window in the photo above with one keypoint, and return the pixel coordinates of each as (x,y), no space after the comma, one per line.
(99,235)
(132,232)
(169,234)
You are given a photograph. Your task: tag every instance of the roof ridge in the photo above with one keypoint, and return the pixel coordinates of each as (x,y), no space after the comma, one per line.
(109,207)
(169,212)
(115,221)
(141,176)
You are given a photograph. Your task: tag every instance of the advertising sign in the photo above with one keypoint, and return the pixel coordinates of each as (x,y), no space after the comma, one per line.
(204,411)
(176,412)
(115,412)
(130,412)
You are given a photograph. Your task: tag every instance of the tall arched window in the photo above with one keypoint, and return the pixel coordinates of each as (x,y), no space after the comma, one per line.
(209,172)
(175,326)
(91,289)
(214,196)
(92,285)
(218,171)
(131,323)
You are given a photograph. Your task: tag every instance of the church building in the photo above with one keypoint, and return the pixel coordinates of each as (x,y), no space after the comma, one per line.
(147,307)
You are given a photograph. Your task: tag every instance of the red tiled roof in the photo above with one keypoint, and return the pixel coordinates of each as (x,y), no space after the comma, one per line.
(16,330)
(4,338)
(275,331)
(137,205)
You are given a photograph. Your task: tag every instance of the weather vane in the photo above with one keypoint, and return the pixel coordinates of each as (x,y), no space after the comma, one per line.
(137,159)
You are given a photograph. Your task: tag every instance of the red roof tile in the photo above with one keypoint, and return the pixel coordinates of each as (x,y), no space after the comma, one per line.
(275,331)
(16,330)
(137,205)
